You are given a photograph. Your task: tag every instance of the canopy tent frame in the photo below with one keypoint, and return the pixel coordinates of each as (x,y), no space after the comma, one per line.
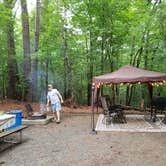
(125,75)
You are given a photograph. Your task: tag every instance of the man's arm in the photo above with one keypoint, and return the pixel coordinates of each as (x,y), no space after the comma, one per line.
(48,100)
(61,98)
(59,95)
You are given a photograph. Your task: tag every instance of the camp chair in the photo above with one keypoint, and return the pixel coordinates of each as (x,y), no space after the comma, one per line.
(120,116)
(112,113)
(29,110)
(106,112)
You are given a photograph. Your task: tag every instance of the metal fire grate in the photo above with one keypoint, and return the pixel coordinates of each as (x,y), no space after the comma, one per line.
(31,115)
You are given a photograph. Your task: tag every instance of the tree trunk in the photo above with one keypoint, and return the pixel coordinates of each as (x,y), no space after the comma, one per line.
(47,58)
(143,92)
(132,50)
(47,62)
(36,46)
(163,29)
(13,78)
(66,88)
(89,58)
(26,48)
(90,71)
(68,80)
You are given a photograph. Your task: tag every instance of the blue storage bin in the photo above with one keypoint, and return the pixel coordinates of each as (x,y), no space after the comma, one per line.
(18,120)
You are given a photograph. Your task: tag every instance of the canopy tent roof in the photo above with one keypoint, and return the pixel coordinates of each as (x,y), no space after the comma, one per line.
(130,74)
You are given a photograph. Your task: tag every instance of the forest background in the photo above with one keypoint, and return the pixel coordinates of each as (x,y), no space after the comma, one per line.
(67,42)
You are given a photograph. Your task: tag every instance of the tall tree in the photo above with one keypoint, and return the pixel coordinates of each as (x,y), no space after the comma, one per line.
(26,48)
(13,78)
(66,30)
(36,47)
(90,53)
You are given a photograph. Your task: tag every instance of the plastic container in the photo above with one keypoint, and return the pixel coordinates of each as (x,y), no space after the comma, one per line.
(18,120)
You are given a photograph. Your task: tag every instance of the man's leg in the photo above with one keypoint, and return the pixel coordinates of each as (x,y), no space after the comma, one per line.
(55,116)
(58,116)
(54,111)
(58,109)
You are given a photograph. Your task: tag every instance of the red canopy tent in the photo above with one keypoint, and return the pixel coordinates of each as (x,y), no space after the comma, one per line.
(126,75)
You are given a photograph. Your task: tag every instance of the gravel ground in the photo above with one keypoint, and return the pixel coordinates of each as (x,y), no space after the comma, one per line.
(70,144)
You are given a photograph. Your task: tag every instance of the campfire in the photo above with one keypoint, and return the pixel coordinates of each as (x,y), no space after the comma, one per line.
(31,115)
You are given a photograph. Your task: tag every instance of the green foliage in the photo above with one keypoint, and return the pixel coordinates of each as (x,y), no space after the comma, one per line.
(107,33)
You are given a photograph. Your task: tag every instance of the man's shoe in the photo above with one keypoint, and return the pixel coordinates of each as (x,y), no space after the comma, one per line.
(58,121)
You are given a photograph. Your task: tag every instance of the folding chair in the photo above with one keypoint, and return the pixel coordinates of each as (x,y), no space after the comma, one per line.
(112,113)
(29,110)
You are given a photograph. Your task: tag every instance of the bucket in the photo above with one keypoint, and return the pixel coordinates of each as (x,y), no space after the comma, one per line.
(18,120)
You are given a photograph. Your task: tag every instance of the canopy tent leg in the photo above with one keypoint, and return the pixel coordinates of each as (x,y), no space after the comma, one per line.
(153,116)
(93,131)
(150,88)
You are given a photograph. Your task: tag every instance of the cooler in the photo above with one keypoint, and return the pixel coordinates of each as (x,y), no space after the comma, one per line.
(18,120)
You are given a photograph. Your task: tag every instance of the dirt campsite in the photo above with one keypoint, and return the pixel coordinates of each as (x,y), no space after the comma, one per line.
(71,143)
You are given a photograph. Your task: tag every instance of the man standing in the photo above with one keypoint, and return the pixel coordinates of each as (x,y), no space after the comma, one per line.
(55,98)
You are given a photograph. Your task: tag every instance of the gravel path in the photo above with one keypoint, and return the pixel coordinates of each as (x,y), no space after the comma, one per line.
(70,144)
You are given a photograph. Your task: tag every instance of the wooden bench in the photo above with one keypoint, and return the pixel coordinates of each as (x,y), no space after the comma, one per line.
(9,132)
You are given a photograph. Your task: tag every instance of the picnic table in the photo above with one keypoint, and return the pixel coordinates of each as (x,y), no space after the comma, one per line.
(6,121)
(6,133)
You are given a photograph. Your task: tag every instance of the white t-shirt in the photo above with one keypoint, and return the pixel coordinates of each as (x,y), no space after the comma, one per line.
(53,96)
